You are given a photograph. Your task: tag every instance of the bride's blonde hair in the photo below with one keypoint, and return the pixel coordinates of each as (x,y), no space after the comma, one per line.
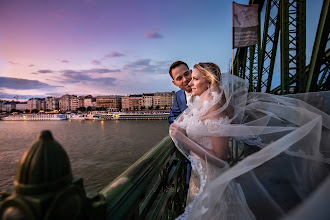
(211,72)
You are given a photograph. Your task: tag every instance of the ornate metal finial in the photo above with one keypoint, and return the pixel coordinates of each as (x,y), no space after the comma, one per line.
(45,189)
(44,167)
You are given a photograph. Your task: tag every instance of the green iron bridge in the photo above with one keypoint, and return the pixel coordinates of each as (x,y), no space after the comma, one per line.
(154,186)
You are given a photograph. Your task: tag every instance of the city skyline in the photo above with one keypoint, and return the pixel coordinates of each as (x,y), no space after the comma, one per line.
(98,47)
(24,99)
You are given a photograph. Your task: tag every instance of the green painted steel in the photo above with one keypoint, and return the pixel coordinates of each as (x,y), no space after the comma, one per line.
(293,44)
(284,43)
(269,46)
(324,82)
(152,188)
(318,59)
(286,19)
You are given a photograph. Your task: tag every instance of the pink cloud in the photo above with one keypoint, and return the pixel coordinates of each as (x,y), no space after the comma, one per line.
(13,62)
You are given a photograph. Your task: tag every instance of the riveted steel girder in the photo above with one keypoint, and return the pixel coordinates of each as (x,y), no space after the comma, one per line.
(293,44)
(318,75)
(269,45)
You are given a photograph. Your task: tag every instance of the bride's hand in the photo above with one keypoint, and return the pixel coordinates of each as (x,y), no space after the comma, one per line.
(174,129)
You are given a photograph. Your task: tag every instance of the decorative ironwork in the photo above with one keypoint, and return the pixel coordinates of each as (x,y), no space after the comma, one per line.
(45,188)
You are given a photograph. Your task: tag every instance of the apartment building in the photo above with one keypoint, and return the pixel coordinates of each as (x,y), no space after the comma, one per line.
(110,102)
(74,103)
(81,101)
(21,106)
(163,99)
(52,103)
(135,102)
(89,101)
(36,104)
(65,103)
(148,99)
(125,103)
(8,106)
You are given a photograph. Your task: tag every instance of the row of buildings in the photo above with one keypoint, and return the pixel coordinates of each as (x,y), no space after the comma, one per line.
(159,100)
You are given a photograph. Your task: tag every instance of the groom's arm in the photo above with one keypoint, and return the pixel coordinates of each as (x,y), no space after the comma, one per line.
(175,110)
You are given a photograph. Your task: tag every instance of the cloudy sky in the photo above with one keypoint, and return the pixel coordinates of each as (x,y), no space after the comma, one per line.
(108,47)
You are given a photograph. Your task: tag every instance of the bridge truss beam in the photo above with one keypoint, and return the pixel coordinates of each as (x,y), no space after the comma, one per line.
(285,20)
(318,75)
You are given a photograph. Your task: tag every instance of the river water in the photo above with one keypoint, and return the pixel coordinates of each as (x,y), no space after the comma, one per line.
(98,150)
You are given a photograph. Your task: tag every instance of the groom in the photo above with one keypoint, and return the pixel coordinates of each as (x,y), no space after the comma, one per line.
(181,75)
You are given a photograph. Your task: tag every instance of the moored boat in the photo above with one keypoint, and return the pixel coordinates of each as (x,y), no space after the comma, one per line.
(145,116)
(76,117)
(35,117)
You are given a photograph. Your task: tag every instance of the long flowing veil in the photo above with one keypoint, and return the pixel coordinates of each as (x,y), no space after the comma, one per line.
(288,170)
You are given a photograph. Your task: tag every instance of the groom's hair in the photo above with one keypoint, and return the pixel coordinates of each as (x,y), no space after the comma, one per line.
(176,64)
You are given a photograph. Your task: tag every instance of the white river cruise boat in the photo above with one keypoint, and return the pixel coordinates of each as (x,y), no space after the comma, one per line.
(35,117)
(143,116)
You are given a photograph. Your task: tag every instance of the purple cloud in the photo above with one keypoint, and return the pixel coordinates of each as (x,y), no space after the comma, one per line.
(12,96)
(45,71)
(152,35)
(96,62)
(31,65)
(114,54)
(100,71)
(64,61)
(147,65)
(71,76)
(18,83)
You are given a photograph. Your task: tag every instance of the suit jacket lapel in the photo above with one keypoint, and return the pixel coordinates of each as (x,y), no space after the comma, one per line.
(183,104)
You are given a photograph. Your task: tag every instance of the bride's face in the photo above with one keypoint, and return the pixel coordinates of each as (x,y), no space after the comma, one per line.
(198,84)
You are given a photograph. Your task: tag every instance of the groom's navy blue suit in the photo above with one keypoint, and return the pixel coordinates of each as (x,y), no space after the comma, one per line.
(178,106)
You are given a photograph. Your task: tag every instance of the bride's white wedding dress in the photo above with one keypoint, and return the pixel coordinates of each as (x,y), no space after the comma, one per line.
(292,163)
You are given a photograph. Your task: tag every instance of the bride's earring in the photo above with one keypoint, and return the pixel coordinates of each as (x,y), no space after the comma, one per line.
(208,89)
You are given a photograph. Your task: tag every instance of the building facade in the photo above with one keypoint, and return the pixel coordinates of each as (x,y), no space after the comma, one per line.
(21,106)
(88,102)
(163,100)
(148,100)
(135,102)
(52,103)
(111,102)
(65,103)
(36,104)
(9,106)
(74,103)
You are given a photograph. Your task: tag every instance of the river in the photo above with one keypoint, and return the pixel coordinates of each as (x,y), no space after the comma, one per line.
(98,150)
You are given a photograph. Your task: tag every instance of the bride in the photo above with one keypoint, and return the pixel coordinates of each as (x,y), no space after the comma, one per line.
(273,183)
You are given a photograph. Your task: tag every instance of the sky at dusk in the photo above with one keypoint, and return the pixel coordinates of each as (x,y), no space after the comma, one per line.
(113,47)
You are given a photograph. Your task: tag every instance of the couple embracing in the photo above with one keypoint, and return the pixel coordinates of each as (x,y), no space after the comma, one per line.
(210,109)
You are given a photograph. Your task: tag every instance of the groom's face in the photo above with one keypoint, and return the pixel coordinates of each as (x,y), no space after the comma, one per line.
(181,77)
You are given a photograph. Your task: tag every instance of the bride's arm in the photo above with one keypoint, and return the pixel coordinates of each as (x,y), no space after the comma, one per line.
(220,144)
(188,145)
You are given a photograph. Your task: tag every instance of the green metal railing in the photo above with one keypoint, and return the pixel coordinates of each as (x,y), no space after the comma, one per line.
(152,188)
